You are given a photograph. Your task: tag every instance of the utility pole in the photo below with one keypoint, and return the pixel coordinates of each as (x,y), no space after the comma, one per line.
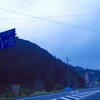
(68,73)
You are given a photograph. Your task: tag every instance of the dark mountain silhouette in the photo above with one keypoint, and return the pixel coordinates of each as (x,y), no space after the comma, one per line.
(33,67)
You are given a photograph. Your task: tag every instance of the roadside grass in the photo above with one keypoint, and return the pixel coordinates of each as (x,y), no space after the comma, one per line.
(22,95)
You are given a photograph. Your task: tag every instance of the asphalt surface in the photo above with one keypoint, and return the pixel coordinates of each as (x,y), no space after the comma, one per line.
(93,97)
(85,94)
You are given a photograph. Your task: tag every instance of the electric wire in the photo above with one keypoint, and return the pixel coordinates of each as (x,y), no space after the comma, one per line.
(50,20)
(15,18)
(95,14)
(74,15)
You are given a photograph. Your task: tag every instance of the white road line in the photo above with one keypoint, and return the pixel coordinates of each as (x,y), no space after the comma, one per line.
(77,96)
(77,91)
(64,98)
(80,94)
(72,97)
(72,92)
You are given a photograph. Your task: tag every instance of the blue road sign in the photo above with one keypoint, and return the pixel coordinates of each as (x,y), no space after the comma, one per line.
(7,39)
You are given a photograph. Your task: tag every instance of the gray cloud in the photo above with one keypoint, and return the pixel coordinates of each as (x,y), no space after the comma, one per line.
(72,36)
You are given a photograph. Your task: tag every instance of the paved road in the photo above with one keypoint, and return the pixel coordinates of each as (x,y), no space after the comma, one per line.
(86,94)
(93,97)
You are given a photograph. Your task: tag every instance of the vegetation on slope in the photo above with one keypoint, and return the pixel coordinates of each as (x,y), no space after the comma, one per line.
(35,69)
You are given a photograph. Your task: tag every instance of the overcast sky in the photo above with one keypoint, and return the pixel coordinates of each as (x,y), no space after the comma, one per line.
(65,28)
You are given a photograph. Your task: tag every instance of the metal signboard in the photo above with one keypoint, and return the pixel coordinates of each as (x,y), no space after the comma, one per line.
(7,39)
(86,77)
(15,88)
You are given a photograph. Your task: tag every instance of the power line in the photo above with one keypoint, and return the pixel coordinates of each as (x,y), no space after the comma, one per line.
(20,13)
(61,23)
(70,15)
(15,18)
(74,15)
(52,16)
(54,21)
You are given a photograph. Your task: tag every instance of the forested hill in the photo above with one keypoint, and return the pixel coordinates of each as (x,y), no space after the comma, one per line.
(33,67)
